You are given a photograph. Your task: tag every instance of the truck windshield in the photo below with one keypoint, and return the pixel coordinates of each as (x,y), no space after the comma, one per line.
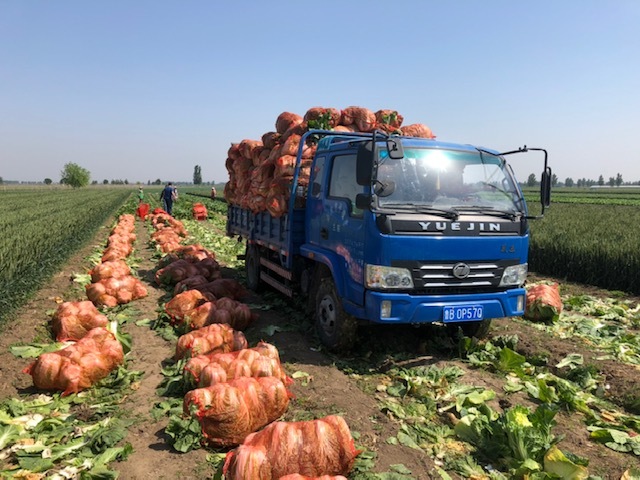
(446,179)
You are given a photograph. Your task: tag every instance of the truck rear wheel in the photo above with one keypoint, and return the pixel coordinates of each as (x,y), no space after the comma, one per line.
(252,268)
(336,329)
(470,329)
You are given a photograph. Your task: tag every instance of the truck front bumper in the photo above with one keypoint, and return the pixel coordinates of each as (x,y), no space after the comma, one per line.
(405,308)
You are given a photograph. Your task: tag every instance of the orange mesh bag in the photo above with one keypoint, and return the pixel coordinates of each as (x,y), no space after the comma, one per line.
(297,476)
(229,191)
(389,117)
(189,284)
(121,237)
(225,310)
(227,363)
(242,166)
(286,120)
(217,337)
(263,172)
(313,448)
(78,366)
(199,211)
(228,412)
(323,118)
(277,205)
(191,253)
(275,153)
(181,270)
(239,318)
(284,166)
(116,251)
(264,155)
(298,131)
(345,128)
(247,146)
(308,151)
(73,320)
(224,287)
(113,268)
(253,366)
(234,151)
(291,146)
(111,292)
(182,304)
(363,118)
(256,155)
(199,316)
(271,139)
(257,203)
(543,303)
(417,130)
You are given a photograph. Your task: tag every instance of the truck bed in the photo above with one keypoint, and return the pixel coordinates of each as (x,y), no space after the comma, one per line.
(281,234)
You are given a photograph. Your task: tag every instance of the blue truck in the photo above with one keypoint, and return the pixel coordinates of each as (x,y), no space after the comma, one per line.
(396,230)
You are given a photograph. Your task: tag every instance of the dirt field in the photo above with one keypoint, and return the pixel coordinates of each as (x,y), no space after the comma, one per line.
(333,386)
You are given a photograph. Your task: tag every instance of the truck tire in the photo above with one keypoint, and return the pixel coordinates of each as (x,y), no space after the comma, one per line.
(470,329)
(336,329)
(252,268)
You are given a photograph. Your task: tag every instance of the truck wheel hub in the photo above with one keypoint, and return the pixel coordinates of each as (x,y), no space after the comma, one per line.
(327,313)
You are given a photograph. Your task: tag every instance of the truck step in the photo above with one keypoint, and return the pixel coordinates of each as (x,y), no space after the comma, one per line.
(266,278)
(283,272)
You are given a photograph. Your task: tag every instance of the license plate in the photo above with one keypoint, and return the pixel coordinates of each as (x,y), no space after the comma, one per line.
(462,313)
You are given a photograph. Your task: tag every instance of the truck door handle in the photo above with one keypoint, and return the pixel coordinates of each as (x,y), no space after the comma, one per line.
(324,233)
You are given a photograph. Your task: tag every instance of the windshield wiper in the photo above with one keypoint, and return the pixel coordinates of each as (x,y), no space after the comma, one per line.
(510,214)
(451,214)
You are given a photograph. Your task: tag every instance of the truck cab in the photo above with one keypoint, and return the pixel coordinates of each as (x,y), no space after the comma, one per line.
(404,230)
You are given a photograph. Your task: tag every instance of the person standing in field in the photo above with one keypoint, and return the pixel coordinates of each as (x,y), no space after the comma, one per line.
(213,193)
(167,196)
(140,195)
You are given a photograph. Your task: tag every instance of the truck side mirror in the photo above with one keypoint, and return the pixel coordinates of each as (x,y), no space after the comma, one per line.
(545,187)
(364,163)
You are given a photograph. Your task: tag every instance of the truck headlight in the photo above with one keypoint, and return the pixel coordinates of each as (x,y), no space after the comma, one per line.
(387,278)
(514,275)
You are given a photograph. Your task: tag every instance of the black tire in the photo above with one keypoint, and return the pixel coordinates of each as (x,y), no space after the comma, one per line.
(336,329)
(252,268)
(470,329)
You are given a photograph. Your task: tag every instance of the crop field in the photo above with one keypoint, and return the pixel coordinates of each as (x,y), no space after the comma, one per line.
(40,228)
(535,401)
(590,236)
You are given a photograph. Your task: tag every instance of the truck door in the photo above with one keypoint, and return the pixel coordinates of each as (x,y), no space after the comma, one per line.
(336,224)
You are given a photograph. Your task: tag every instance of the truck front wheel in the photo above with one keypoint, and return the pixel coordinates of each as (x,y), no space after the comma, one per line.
(336,329)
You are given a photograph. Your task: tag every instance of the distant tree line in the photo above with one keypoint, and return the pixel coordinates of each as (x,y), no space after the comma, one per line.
(616,181)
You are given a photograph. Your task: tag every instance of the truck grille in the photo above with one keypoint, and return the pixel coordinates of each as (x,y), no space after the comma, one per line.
(430,277)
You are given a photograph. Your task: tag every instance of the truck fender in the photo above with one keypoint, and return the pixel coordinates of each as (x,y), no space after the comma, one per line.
(333,262)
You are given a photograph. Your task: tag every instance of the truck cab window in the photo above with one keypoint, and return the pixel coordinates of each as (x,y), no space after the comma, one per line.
(447,178)
(343,181)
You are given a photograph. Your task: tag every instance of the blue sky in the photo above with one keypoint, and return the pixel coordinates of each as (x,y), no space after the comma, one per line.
(140,90)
